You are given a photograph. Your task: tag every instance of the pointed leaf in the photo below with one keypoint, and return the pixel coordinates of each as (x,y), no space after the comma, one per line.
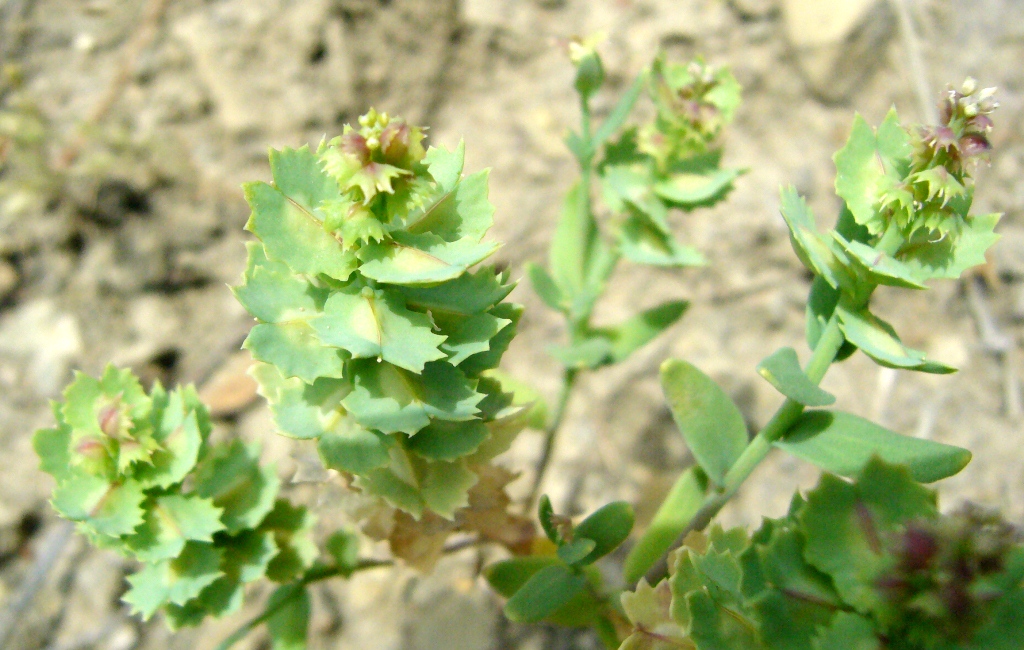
(232,478)
(301,410)
(642,243)
(693,190)
(295,348)
(618,115)
(299,176)
(348,447)
(442,440)
(711,424)
(291,527)
(293,235)
(879,267)
(446,166)
(273,294)
(53,446)
(463,212)
(170,522)
(470,293)
(289,624)
(180,437)
(843,444)
(953,254)
(878,340)
(782,370)
(174,581)
(545,287)
(639,330)
(112,509)
(471,336)
(546,591)
(421,259)
(608,526)
(810,246)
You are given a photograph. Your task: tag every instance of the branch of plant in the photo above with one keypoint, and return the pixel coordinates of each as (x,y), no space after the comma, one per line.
(550,435)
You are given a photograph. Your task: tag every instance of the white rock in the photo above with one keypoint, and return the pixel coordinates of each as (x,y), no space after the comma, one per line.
(44,337)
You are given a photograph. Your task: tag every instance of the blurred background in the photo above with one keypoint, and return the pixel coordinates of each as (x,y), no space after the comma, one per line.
(127,126)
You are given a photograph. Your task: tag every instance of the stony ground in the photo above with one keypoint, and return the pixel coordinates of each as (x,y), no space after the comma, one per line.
(120,225)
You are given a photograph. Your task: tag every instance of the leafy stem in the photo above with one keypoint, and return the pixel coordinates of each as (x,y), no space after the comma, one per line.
(551,433)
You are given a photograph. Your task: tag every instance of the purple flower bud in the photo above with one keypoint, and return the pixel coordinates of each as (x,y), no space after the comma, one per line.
(919,549)
(974,144)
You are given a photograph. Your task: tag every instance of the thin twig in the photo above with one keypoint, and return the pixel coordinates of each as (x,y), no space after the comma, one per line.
(550,433)
(50,551)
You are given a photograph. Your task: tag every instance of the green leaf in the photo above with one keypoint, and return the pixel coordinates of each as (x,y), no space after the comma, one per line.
(298,175)
(294,235)
(472,336)
(810,246)
(53,446)
(390,399)
(171,521)
(672,517)
(845,524)
(877,339)
(878,267)
(112,509)
(301,410)
(545,287)
(442,440)
(608,526)
(869,165)
(639,330)
(953,254)
(377,325)
(569,254)
(273,294)
(711,424)
(461,213)
(689,190)
(230,475)
(716,626)
(574,552)
(348,447)
(631,186)
(296,349)
(620,112)
(343,546)
(508,576)
(821,304)
(180,436)
(446,166)
(546,591)
(412,483)
(289,624)
(174,581)
(843,444)
(470,293)
(421,259)
(291,526)
(642,243)
(589,353)
(782,370)
(848,631)
(545,514)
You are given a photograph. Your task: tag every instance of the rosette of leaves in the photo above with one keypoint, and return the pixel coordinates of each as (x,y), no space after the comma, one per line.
(672,162)
(138,474)
(868,564)
(374,336)
(906,220)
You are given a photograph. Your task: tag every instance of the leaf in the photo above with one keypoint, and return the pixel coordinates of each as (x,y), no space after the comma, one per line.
(293,235)
(570,251)
(53,446)
(348,447)
(608,526)
(180,437)
(642,243)
(291,526)
(952,255)
(782,370)
(411,484)
(442,440)
(461,214)
(171,521)
(377,325)
(589,353)
(289,624)
(712,426)
(843,444)
(630,186)
(390,399)
(470,293)
(546,591)
(545,287)
(298,175)
(273,294)
(231,476)
(508,576)
(421,259)
(471,336)
(112,509)
(446,166)
(639,330)
(845,524)
(878,267)
(648,609)
(343,547)
(574,552)
(301,410)
(620,112)
(173,581)
(715,626)
(545,514)
(869,165)
(689,190)
(672,517)
(877,339)
(848,631)
(810,246)
(295,348)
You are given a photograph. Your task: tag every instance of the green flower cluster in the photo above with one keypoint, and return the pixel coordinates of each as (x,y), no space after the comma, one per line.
(373,335)
(866,565)
(140,476)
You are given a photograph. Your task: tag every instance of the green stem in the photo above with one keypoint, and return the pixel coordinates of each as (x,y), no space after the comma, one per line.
(756,451)
(314,574)
(550,434)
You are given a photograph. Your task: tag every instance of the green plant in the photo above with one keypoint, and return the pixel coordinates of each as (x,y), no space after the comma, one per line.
(379,338)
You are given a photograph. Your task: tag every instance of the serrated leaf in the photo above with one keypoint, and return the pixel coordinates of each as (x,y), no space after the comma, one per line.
(171,521)
(877,339)
(301,410)
(348,447)
(848,631)
(470,293)
(471,336)
(53,446)
(291,527)
(442,440)
(271,292)
(639,330)
(869,165)
(413,484)
(231,476)
(461,212)
(672,517)
(294,235)
(180,437)
(714,626)
(878,267)
(712,426)
(843,444)
(393,400)
(953,254)
(112,509)
(300,177)
(810,246)
(548,589)
(377,325)
(782,370)
(845,524)
(481,362)
(648,610)
(688,190)
(289,624)
(174,581)
(446,166)
(421,259)
(642,243)
(608,526)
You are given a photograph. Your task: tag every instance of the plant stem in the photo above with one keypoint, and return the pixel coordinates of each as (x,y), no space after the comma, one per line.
(550,435)
(757,449)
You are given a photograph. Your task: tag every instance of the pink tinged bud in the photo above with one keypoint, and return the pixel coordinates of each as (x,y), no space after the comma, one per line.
(981,123)
(355,145)
(394,142)
(919,549)
(91,449)
(974,144)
